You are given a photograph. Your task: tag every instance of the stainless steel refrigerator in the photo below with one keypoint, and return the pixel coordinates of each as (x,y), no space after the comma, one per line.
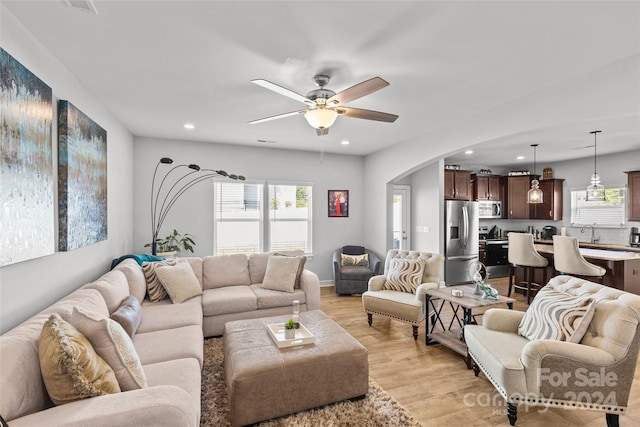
(461,240)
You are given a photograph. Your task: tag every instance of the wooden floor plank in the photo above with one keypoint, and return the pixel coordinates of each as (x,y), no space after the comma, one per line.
(432,382)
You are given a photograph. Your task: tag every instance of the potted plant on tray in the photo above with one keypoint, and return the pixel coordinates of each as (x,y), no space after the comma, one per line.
(173,244)
(290,329)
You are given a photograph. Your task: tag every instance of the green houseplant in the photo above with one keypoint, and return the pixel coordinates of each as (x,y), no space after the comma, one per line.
(290,329)
(174,243)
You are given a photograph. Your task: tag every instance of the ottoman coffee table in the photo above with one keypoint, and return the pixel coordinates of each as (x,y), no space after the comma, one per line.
(265,381)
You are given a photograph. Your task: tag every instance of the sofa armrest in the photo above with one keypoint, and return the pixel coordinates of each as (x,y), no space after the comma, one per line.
(165,405)
(578,355)
(374,263)
(421,291)
(337,260)
(376,283)
(310,284)
(502,320)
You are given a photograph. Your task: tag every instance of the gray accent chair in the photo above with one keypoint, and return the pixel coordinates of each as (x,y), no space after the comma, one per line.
(403,306)
(595,374)
(353,279)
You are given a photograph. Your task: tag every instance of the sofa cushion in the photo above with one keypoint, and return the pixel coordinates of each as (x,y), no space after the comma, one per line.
(230,299)
(301,258)
(129,315)
(170,344)
(135,278)
(225,270)
(71,368)
(114,288)
(556,315)
(258,266)
(404,275)
(196,266)
(166,315)
(281,273)
(113,344)
(155,289)
(268,298)
(179,281)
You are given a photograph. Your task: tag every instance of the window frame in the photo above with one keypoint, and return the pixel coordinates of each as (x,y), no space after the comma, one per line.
(265,216)
(623,206)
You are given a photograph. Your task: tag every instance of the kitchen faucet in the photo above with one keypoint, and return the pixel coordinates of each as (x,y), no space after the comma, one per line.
(594,239)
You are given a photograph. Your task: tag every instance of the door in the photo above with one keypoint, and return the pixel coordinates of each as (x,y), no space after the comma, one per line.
(401,217)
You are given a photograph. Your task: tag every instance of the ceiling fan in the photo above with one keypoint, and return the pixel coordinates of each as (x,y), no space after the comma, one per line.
(324,105)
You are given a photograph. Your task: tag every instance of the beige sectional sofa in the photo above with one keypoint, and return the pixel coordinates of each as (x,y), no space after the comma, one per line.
(168,341)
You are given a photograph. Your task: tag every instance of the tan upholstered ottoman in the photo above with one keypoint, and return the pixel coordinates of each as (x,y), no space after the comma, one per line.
(266,382)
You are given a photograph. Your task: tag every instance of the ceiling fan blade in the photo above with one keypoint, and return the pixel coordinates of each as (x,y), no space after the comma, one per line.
(357,91)
(279,116)
(283,91)
(359,113)
(324,131)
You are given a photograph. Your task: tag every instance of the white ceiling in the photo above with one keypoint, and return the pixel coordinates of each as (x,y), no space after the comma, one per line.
(159,64)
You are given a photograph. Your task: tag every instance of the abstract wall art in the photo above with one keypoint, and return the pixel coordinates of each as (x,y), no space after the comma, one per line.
(82,179)
(27,216)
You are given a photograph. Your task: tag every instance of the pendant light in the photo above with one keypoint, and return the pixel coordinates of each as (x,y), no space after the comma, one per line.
(534,195)
(595,191)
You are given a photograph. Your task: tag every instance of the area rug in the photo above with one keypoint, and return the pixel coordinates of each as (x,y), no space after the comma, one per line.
(376,409)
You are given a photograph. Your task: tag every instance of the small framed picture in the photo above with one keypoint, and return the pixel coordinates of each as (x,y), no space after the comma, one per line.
(338,203)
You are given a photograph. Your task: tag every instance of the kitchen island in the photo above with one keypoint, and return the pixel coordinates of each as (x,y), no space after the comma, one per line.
(623,266)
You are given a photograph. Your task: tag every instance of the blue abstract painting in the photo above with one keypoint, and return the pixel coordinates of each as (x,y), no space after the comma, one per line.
(27,216)
(82,179)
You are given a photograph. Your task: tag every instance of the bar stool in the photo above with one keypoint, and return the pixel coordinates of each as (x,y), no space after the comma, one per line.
(522,253)
(567,259)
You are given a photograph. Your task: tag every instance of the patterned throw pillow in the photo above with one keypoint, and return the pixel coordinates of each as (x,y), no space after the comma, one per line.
(154,287)
(355,260)
(404,275)
(71,368)
(113,344)
(556,315)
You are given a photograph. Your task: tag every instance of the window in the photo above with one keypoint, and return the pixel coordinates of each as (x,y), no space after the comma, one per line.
(255,217)
(607,213)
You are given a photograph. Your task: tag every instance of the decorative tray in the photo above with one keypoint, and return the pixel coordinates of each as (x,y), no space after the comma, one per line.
(303,336)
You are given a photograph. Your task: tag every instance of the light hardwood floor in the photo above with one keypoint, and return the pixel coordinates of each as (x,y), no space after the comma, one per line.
(432,382)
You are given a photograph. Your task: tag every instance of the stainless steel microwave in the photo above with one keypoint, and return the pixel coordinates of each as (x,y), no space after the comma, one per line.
(489,209)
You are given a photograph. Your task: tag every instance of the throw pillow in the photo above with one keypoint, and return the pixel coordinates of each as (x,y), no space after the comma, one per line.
(404,275)
(302,259)
(71,368)
(113,344)
(281,273)
(355,260)
(154,287)
(129,315)
(179,281)
(556,315)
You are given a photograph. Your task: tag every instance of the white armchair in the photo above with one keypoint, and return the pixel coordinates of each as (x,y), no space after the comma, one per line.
(399,293)
(594,372)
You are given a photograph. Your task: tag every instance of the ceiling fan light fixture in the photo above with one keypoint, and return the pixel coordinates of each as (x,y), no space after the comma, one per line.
(321,118)
(595,191)
(534,195)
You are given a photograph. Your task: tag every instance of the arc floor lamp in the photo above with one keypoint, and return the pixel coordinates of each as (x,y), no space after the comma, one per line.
(176,185)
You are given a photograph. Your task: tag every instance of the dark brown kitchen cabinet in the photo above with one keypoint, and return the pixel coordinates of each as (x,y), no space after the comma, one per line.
(633,195)
(517,188)
(551,206)
(486,187)
(457,185)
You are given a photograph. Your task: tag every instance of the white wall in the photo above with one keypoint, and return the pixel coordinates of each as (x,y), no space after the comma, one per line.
(193,213)
(426,209)
(29,286)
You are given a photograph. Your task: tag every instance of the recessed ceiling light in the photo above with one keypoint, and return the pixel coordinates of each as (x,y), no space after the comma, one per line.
(520,158)
(468,152)
(344,142)
(189,126)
